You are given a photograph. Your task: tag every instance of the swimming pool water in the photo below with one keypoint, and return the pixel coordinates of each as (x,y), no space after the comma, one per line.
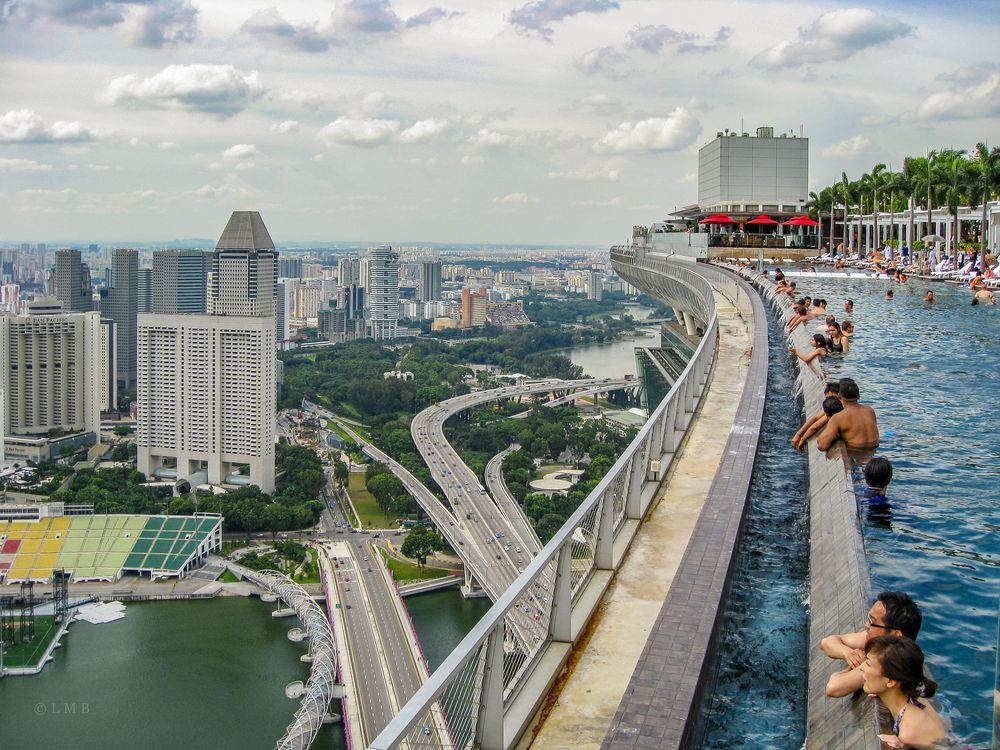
(932,373)
(759,698)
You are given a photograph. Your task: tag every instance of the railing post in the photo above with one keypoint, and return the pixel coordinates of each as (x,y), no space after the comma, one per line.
(489,726)
(636,480)
(669,442)
(604,547)
(561,620)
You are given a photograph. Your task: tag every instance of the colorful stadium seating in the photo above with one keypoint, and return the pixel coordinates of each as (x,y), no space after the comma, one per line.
(103,547)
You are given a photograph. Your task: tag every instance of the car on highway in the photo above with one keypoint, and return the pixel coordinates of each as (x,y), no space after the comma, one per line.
(427,729)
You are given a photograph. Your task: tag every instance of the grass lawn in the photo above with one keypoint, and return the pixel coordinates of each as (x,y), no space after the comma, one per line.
(337,429)
(403,571)
(231,545)
(28,654)
(228,577)
(371,515)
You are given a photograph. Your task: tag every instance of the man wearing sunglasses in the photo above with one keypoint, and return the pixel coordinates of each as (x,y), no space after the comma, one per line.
(893,613)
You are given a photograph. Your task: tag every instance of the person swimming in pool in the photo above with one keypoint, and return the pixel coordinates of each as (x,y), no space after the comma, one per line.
(856,425)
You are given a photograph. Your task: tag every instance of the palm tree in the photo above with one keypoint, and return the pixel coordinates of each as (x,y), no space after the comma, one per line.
(844,187)
(815,207)
(834,192)
(984,183)
(876,180)
(895,183)
(914,167)
(951,174)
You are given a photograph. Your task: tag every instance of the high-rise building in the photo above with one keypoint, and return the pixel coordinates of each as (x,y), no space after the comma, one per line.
(289,268)
(285,303)
(430,281)
(180,281)
(122,305)
(306,302)
(352,301)
(595,285)
(109,366)
(383,292)
(474,307)
(206,398)
(244,273)
(50,365)
(332,324)
(349,271)
(145,288)
(71,281)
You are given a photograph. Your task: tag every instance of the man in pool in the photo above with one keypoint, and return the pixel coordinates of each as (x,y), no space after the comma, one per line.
(929,297)
(856,425)
(893,613)
(985,296)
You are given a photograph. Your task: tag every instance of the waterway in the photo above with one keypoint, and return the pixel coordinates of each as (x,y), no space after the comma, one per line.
(613,359)
(171,674)
(189,674)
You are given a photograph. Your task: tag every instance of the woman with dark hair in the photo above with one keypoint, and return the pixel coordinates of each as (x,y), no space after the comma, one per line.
(838,341)
(819,351)
(893,672)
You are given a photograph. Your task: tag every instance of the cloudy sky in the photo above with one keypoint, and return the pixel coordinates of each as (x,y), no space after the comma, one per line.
(547,121)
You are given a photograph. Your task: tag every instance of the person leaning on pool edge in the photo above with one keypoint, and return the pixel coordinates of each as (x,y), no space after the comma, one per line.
(856,425)
(893,613)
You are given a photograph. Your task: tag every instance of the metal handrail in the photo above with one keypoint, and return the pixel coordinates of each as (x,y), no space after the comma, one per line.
(475,685)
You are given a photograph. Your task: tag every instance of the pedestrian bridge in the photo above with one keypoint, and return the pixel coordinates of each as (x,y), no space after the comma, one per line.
(489,695)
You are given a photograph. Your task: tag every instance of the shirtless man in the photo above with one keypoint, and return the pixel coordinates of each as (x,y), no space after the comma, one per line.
(929,297)
(986,297)
(894,613)
(856,425)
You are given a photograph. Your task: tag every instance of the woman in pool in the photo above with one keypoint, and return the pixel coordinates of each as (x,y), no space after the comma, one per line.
(813,358)
(838,341)
(893,672)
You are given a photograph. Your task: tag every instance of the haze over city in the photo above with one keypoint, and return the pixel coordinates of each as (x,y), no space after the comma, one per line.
(553,121)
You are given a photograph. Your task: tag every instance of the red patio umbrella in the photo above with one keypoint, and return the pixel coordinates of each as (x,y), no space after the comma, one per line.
(801,221)
(762,219)
(719,219)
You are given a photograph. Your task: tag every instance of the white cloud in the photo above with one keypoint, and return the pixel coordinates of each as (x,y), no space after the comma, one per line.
(606,61)
(351,132)
(23,165)
(852,146)
(513,199)
(241,151)
(487,138)
(269,24)
(836,35)
(429,162)
(611,203)
(537,17)
(283,128)
(167,23)
(24,126)
(221,191)
(221,90)
(470,159)
(422,131)
(977,98)
(167,146)
(670,133)
(654,38)
(606,173)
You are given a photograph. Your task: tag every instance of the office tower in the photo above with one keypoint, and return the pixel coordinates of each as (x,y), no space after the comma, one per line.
(93,248)
(352,301)
(180,281)
(71,282)
(285,307)
(50,369)
(121,304)
(383,292)
(206,397)
(144,302)
(109,366)
(349,271)
(107,277)
(430,281)
(289,268)
(363,272)
(244,273)
(473,307)
(595,285)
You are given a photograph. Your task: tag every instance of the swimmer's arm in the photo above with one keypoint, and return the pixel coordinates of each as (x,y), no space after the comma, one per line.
(839,646)
(844,682)
(845,343)
(829,435)
(818,425)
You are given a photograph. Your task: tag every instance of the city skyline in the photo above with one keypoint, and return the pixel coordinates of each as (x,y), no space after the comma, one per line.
(525,122)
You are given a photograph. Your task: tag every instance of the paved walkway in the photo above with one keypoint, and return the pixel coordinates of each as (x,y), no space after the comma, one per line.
(579,714)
